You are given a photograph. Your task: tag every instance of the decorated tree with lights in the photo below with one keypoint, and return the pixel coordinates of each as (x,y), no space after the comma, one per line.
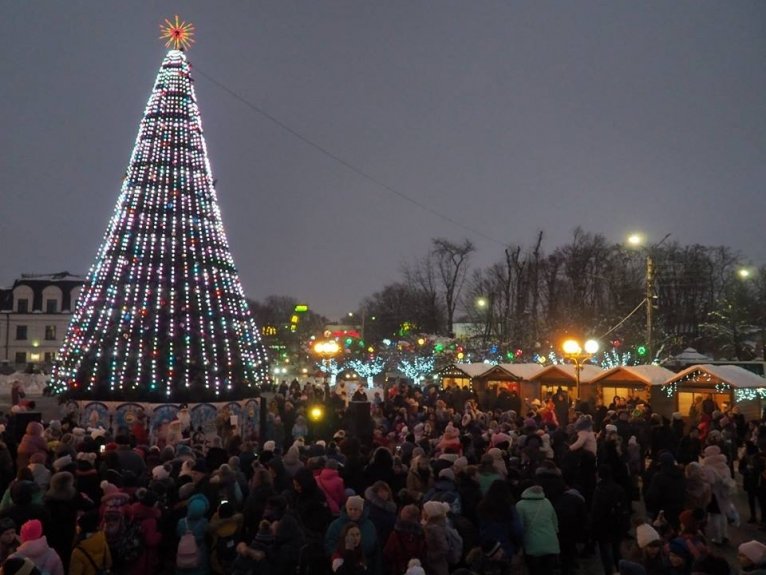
(417,368)
(163,316)
(367,369)
(330,368)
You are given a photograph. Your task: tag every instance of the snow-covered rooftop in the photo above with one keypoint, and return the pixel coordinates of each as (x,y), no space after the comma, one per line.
(733,375)
(648,374)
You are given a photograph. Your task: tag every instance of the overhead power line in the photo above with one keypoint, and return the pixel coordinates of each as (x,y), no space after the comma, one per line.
(346,164)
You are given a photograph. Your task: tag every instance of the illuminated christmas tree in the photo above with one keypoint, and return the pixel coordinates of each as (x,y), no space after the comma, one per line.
(163,316)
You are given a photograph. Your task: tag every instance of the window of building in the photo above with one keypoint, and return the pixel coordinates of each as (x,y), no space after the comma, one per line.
(50,332)
(23,305)
(50,356)
(21,332)
(21,357)
(51,306)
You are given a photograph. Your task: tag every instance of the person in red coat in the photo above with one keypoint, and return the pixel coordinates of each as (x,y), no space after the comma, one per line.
(331,484)
(145,513)
(405,542)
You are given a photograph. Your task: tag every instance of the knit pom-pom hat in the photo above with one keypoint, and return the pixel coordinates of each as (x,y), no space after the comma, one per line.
(31,530)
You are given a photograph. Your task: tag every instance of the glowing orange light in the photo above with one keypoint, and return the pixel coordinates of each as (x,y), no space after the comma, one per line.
(179,34)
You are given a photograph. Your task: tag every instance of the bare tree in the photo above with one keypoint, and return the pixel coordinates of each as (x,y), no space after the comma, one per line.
(452,266)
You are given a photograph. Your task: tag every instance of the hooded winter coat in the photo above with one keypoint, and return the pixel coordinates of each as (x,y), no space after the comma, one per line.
(97,549)
(367,527)
(148,518)
(405,542)
(32,442)
(382,513)
(42,555)
(718,477)
(196,522)
(331,484)
(539,521)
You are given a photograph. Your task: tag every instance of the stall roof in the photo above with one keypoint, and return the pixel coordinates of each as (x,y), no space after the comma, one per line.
(587,373)
(523,371)
(647,374)
(734,375)
(473,369)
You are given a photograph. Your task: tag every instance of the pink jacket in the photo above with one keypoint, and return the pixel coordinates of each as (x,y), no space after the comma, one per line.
(331,484)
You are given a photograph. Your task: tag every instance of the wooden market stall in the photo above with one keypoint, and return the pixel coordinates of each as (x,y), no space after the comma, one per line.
(523,374)
(548,380)
(728,385)
(627,381)
(464,375)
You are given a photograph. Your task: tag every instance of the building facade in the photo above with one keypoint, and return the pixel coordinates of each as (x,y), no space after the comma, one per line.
(34,315)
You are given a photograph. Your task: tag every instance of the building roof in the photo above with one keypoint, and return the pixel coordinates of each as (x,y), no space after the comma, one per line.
(646,374)
(732,375)
(523,371)
(56,277)
(474,369)
(587,373)
(689,355)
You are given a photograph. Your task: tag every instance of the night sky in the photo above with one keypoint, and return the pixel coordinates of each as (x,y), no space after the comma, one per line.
(502,118)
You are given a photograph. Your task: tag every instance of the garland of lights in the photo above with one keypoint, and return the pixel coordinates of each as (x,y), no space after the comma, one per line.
(700,376)
(163,309)
(367,369)
(417,368)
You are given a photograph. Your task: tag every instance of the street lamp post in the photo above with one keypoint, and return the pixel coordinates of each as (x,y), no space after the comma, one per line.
(637,240)
(326,349)
(579,354)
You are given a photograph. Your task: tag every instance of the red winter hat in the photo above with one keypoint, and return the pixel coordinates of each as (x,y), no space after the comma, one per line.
(31,530)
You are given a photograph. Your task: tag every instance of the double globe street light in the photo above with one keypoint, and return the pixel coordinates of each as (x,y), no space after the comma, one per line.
(578,354)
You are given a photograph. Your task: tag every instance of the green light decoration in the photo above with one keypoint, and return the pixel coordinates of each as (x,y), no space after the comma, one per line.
(641,350)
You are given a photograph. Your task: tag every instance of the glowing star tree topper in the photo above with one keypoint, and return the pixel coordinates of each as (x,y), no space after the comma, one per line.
(179,34)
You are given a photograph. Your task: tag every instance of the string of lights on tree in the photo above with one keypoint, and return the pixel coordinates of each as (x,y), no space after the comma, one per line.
(163,313)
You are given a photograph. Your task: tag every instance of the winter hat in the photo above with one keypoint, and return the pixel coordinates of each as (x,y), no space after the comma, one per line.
(31,530)
(410,513)
(85,456)
(711,450)
(724,421)
(447,474)
(610,428)
(414,568)
(38,458)
(678,547)
(499,438)
(62,484)
(160,472)
(646,534)
(495,453)
(450,432)
(753,550)
(530,423)
(677,415)
(146,496)
(355,501)
(109,488)
(449,457)
(186,491)
(584,423)
(270,445)
(34,428)
(435,509)
(62,462)
(460,464)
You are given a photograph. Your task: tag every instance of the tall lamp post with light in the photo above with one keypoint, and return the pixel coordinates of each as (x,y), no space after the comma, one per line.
(578,354)
(326,349)
(637,240)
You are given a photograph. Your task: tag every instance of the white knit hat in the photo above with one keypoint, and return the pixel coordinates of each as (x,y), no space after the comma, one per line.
(753,550)
(646,534)
(414,568)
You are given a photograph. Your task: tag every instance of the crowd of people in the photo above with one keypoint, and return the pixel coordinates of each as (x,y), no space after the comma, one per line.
(417,482)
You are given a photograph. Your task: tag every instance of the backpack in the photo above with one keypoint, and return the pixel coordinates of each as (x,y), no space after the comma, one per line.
(124,537)
(188,555)
(454,546)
